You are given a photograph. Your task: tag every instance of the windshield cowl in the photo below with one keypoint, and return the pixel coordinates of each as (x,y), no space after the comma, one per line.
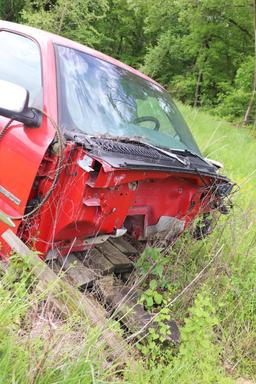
(130,153)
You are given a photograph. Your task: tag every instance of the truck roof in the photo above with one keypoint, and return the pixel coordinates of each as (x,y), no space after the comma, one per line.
(42,37)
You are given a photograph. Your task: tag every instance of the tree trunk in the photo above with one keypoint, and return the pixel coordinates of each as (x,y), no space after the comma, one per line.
(252,98)
(197,91)
(63,14)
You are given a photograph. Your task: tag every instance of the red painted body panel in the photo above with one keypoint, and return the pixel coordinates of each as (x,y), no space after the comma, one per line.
(88,204)
(22,149)
(85,203)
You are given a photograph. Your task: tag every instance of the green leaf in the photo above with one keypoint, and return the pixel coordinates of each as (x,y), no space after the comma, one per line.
(158,298)
(153,284)
(158,270)
(149,301)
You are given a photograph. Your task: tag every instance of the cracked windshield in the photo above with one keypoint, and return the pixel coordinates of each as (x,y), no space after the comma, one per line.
(101,99)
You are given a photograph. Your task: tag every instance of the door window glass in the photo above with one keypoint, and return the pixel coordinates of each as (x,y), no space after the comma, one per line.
(20,64)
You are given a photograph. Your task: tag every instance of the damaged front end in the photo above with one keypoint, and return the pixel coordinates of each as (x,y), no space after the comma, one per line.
(108,188)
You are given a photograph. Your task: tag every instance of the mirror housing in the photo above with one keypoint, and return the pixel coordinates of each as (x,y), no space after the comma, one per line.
(14,104)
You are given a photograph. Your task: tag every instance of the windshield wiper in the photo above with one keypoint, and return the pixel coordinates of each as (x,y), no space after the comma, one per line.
(192,154)
(75,135)
(159,149)
(137,140)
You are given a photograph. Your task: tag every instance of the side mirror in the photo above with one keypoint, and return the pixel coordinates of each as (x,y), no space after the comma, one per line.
(14,104)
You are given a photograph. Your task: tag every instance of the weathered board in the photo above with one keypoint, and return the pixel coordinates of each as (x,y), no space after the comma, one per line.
(127,309)
(124,302)
(118,259)
(124,246)
(96,261)
(80,275)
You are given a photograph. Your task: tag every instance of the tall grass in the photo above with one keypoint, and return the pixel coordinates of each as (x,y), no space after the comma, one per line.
(231,282)
(38,347)
(218,312)
(233,146)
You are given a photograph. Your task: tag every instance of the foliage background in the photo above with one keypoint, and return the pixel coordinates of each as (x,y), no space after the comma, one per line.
(202,51)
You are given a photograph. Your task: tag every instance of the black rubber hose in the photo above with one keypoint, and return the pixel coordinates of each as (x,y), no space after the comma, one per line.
(2,133)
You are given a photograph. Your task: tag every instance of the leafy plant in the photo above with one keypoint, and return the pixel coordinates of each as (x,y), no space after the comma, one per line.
(153,263)
(198,356)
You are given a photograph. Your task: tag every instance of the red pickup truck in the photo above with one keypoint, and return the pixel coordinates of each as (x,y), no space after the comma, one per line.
(91,148)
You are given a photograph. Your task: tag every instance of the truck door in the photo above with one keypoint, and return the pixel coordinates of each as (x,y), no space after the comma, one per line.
(21,148)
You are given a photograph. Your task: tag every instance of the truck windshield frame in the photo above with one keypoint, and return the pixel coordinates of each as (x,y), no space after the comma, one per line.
(101,99)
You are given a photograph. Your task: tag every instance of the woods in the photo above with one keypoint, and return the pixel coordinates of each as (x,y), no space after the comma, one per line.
(202,51)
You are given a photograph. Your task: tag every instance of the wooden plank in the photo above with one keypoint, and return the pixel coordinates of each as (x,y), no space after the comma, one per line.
(96,261)
(71,300)
(124,246)
(3,266)
(124,302)
(77,272)
(118,259)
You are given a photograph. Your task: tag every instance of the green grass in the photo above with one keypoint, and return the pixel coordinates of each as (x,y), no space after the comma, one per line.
(231,282)
(217,314)
(37,347)
(234,147)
